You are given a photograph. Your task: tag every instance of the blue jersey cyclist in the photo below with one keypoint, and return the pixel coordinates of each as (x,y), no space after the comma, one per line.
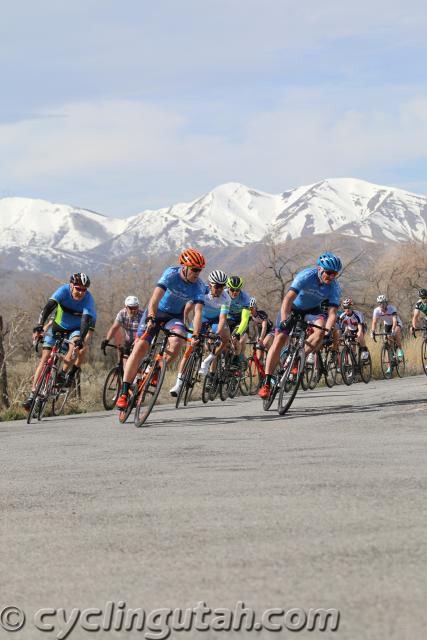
(214,319)
(308,290)
(176,287)
(75,317)
(239,314)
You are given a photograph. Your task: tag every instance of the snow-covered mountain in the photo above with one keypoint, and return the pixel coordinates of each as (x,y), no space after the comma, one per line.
(41,236)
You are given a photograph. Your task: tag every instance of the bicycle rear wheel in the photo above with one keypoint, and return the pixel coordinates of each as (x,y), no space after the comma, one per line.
(186,379)
(386,362)
(112,386)
(193,380)
(424,355)
(315,372)
(365,367)
(151,390)
(290,381)
(36,407)
(246,383)
(255,378)
(331,368)
(347,368)
(400,365)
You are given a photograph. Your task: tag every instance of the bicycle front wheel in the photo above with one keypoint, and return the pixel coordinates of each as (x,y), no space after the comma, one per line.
(365,367)
(424,355)
(400,365)
(386,362)
(331,368)
(193,380)
(112,386)
(347,368)
(151,391)
(36,404)
(290,381)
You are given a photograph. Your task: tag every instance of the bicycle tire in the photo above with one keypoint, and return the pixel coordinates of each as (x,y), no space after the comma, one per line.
(246,383)
(205,388)
(400,365)
(72,393)
(159,368)
(365,368)
(290,382)
(424,355)
(46,394)
(113,381)
(255,376)
(386,362)
(186,378)
(347,366)
(315,376)
(194,378)
(35,403)
(331,368)
(225,378)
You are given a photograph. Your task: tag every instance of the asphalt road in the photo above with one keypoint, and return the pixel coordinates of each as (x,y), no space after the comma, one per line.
(324,508)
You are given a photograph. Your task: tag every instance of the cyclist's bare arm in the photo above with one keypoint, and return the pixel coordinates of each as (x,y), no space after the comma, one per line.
(287,304)
(332,318)
(197,321)
(153,305)
(415,317)
(263,330)
(189,308)
(115,331)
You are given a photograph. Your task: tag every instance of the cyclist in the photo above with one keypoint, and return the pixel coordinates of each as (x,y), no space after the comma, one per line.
(214,319)
(420,307)
(75,317)
(392,323)
(308,290)
(353,322)
(239,315)
(176,287)
(263,326)
(125,326)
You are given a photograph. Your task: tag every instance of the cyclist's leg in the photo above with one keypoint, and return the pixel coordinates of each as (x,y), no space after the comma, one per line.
(315,340)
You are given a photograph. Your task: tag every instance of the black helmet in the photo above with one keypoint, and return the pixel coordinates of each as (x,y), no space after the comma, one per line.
(80,279)
(422,293)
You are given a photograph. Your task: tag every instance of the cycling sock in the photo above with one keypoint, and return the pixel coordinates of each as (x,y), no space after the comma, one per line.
(73,370)
(268,379)
(208,359)
(125,388)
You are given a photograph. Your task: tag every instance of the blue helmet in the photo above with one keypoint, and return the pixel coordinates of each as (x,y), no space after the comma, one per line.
(329,262)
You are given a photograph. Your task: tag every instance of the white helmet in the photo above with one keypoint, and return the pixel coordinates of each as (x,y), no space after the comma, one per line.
(217,277)
(252,303)
(382,299)
(132,301)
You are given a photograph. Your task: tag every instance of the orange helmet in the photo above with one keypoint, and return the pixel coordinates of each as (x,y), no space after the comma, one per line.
(192,258)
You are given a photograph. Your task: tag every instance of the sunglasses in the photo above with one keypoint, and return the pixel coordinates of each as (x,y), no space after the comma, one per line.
(217,286)
(330,273)
(80,289)
(195,270)
(234,290)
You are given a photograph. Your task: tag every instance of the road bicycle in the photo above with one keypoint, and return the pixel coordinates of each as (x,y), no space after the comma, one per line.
(390,361)
(113,381)
(352,362)
(152,375)
(190,373)
(256,369)
(423,347)
(48,386)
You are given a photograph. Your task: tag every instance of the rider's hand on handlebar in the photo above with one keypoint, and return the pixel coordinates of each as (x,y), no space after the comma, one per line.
(413,332)
(79,343)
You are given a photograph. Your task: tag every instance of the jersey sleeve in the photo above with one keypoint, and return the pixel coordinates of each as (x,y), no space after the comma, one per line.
(298,282)
(89,308)
(166,278)
(199,294)
(335,297)
(119,317)
(60,294)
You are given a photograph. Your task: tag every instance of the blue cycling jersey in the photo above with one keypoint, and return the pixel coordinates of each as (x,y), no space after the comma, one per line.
(178,292)
(312,291)
(237,304)
(69,311)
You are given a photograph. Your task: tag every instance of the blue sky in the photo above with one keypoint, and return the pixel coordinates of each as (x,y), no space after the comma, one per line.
(119,107)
